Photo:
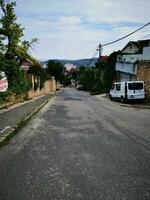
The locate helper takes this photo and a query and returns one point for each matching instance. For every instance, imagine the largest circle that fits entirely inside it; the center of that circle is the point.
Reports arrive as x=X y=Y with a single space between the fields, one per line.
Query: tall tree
x=55 y=69
x=109 y=74
x=11 y=33
x=87 y=78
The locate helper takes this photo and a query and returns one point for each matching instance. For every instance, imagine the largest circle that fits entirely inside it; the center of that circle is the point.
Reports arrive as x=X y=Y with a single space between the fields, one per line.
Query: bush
x=98 y=88
x=66 y=81
x=4 y=96
x=87 y=79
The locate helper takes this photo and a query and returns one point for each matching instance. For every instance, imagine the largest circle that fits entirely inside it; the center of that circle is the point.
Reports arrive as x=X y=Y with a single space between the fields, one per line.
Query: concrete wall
x=144 y=75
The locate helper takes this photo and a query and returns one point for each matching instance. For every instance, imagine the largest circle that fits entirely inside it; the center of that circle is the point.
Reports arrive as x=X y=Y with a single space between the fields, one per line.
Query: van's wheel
x=122 y=99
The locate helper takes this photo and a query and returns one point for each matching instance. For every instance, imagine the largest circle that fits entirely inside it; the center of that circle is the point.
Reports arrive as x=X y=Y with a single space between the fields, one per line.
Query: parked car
x=128 y=90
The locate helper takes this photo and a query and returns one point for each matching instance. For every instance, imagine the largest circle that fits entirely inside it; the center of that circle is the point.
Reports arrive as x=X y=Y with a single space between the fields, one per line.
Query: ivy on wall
x=17 y=83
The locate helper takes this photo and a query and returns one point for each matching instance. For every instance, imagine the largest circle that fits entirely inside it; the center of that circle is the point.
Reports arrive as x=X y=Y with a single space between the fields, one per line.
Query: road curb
x=134 y=106
x=144 y=106
x=7 y=136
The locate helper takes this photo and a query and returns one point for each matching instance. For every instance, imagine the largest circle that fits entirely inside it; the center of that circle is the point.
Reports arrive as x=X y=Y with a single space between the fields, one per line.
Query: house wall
x=130 y=49
x=144 y=75
x=132 y=58
x=122 y=76
x=126 y=67
x=146 y=53
x=26 y=63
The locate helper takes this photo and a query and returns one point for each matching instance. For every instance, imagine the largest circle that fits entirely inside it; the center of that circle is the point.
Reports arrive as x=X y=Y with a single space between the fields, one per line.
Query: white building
x=126 y=65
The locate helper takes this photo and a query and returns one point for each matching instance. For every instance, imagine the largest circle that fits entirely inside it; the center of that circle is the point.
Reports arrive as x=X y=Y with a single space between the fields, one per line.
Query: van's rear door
x=136 y=90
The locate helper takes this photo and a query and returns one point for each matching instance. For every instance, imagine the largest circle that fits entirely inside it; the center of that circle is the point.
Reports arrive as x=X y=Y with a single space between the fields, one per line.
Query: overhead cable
x=106 y=44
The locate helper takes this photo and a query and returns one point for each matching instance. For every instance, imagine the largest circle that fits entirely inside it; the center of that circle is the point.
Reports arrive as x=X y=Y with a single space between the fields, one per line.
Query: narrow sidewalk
x=10 y=117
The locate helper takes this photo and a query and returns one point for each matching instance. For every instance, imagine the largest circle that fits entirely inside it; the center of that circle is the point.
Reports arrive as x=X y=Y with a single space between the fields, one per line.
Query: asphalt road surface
x=79 y=148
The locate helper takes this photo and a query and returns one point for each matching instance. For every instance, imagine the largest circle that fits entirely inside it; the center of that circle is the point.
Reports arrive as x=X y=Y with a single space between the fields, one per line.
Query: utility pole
x=99 y=49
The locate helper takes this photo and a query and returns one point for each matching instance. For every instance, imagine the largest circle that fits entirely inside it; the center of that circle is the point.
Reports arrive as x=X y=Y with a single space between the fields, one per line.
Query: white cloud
x=118 y=10
x=68 y=29
x=69 y=21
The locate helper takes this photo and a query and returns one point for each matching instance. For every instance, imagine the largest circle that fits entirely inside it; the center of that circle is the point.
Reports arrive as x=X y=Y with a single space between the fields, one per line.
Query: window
x=135 y=86
x=118 y=86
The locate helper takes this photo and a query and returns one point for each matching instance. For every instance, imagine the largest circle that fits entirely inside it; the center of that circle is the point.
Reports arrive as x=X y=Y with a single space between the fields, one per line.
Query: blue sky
x=71 y=28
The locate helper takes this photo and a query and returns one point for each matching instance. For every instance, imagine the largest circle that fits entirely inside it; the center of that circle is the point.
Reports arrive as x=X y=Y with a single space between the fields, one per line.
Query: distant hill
x=78 y=63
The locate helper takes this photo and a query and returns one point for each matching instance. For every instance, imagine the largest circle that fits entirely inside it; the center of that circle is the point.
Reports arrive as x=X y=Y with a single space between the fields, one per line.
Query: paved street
x=79 y=147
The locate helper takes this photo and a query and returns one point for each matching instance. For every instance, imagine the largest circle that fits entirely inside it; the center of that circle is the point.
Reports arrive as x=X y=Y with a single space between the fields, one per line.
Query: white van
x=129 y=90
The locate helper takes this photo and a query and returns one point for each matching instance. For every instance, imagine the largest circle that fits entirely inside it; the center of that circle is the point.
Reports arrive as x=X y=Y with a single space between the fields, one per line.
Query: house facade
x=127 y=61
x=25 y=64
x=143 y=73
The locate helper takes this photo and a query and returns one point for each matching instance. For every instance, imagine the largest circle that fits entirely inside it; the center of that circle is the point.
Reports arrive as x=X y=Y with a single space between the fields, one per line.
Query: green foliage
x=55 y=69
x=12 y=48
x=66 y=81
x=87 y=79
x=99 y=78
x=17 y=82
x=11 y=33
x=4 y=96
x=98 y=87
x=109 y=74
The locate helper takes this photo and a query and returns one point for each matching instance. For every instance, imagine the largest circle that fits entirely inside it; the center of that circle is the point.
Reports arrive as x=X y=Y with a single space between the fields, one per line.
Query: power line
x=106 y=44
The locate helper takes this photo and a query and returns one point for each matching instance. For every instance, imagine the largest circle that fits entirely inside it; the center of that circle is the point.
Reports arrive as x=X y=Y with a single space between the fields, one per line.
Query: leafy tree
x=109 y=74
x=55 y=69
x=87 y=78
x=66 y=81
x=82 y=68
x=99 y=78
x=98 y=87
x=105 y=74
x=11 y=33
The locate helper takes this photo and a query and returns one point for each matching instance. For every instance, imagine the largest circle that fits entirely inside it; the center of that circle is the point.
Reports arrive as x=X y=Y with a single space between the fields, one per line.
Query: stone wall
x=11 y=100
x=143 y=74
